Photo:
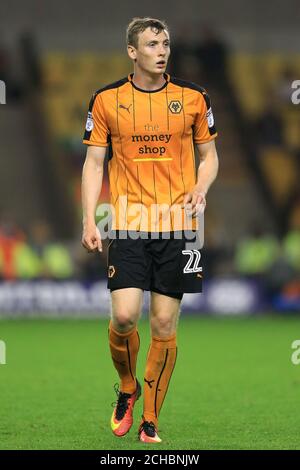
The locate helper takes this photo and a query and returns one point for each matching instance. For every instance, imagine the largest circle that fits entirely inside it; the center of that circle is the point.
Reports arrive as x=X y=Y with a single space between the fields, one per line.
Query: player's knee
x=124 y=320
x=163 y=325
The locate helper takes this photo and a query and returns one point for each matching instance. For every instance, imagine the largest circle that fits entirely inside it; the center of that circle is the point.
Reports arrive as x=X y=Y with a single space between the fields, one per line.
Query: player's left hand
x=194 y=202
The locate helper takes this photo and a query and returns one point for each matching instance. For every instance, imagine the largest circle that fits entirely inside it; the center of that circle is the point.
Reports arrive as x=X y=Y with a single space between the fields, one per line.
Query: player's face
x=153 y=51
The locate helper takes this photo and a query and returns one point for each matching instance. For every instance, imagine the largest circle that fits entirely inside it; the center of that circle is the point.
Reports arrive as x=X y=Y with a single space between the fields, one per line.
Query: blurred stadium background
x=53 y=56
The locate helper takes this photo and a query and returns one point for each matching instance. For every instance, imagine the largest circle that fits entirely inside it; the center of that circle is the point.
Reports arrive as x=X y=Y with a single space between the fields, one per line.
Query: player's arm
x=92 y=175
x=195 y=201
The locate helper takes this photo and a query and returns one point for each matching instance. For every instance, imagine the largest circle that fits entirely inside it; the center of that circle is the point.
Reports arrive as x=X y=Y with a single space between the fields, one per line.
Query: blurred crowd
x=274 y=262
x=37 y=254
x=261 y=256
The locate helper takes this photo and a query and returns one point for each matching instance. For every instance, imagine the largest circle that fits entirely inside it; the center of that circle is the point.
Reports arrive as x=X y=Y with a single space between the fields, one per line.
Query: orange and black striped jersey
x=151 y=135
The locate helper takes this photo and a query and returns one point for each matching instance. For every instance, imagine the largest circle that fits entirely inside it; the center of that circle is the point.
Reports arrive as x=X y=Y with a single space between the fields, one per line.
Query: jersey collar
x=166 y=77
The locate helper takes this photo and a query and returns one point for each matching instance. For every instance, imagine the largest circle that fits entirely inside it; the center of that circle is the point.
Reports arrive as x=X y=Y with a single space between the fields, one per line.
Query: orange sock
x=159 y=367
x=124 y=348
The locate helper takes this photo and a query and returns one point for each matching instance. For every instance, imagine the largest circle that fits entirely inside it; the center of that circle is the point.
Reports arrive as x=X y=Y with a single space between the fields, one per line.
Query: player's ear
x=131 y=52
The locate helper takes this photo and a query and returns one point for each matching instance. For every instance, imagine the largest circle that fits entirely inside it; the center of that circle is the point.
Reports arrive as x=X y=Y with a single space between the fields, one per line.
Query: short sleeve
x=204 y=126
x=96 y=128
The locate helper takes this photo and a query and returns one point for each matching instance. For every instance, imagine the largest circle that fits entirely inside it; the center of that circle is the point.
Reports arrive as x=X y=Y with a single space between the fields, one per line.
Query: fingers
x=187 y=198
x=187 y=203
x=92 y=243
x=98 y=238
x=200 y=208
x=196 y=199
x=89 y=244
x=196 y=205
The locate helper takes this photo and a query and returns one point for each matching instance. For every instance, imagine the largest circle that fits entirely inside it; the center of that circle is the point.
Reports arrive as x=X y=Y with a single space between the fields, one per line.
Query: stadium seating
x=280 y=170
x=69 y=82
x=263 y=85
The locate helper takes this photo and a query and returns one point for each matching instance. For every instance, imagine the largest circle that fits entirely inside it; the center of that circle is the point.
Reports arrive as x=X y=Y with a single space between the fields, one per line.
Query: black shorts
x=167 y=266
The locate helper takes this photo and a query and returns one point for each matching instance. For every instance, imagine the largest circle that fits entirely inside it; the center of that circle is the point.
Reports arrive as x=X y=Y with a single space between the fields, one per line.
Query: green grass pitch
x=234 y=385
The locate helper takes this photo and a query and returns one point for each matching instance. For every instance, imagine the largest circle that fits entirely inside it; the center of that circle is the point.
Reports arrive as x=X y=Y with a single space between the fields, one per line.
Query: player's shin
x=159 y=368
x=124 y=349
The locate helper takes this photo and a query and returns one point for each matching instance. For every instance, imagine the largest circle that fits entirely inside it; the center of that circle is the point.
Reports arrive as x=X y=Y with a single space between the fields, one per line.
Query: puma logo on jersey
x=121 y=106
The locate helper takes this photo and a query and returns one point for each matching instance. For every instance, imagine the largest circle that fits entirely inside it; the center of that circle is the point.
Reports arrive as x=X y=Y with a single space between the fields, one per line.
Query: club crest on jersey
x=175 y=106
x=89 y=122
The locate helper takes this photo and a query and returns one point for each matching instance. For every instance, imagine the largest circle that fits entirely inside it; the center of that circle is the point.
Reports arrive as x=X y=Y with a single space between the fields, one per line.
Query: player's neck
x=148 y=82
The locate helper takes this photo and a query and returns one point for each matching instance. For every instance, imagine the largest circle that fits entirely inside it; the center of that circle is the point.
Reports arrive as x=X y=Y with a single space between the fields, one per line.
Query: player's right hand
x=91 y=238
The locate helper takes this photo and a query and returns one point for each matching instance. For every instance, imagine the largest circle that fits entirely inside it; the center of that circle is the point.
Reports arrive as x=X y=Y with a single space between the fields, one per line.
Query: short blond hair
x=138 y=25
